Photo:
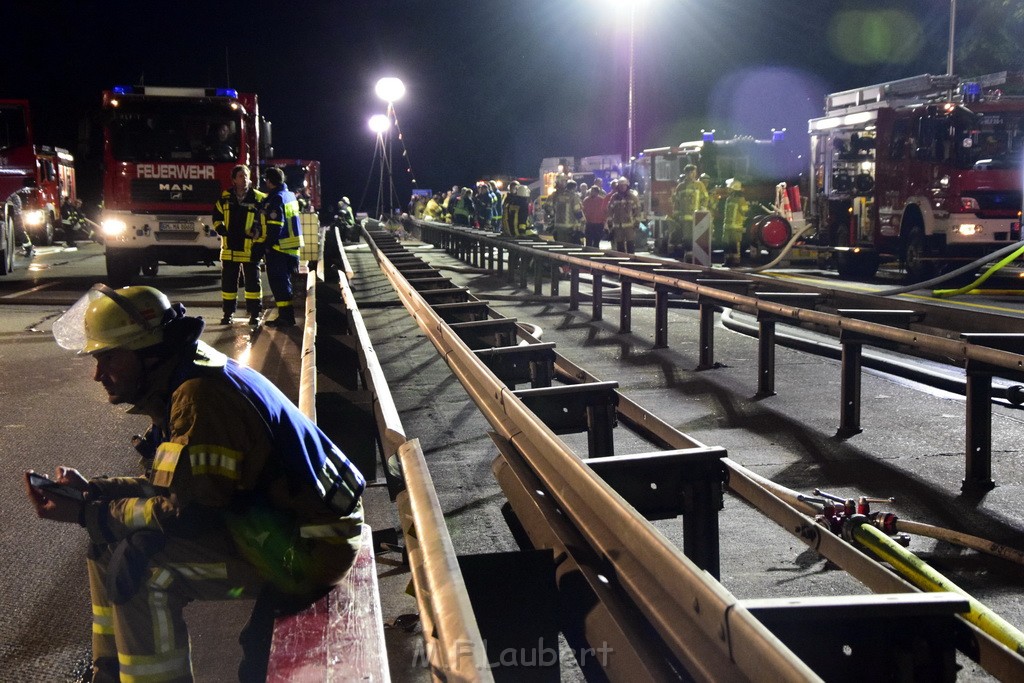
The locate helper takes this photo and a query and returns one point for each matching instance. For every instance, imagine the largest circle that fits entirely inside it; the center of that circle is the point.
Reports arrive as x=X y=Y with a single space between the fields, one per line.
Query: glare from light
x=35 y=218
x=390 y=89
x=114 y=227
x=379 y=123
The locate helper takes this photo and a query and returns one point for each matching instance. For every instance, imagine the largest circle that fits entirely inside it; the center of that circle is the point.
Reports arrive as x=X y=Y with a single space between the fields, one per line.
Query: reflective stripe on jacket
x=234 y=220
x=282 y=229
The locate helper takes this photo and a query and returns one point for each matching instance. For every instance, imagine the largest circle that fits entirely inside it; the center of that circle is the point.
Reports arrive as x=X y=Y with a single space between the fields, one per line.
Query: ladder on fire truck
x=915 y=89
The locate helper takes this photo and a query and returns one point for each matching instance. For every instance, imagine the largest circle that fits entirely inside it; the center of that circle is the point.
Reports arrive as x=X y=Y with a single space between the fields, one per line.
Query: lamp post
x=952 y=35
x=390 y=90
x=632 y=54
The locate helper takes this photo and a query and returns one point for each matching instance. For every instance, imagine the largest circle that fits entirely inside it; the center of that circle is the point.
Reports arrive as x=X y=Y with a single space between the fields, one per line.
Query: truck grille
x=168 y=191
x=997 y=203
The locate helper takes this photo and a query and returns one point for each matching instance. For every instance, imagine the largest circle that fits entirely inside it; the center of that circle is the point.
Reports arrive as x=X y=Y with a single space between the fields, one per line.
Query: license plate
x=177 y=226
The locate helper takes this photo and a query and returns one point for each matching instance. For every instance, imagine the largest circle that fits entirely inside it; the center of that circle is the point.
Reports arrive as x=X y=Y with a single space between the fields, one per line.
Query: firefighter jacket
x=432 y=212
x=623 y=209
x=237 y=222
x=232 y=447
x=735 y=212
x=70 y=216
x=282 y=230
x=564 y=209
x=515 y=215
x=689 y=197
x=463 y=211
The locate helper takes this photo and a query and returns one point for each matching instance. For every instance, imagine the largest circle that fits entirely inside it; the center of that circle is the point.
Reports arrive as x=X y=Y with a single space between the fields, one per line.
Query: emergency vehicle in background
x=167 y=156
x=760 y=164
x=925 y=169
x=301 y=175
x=42 y=175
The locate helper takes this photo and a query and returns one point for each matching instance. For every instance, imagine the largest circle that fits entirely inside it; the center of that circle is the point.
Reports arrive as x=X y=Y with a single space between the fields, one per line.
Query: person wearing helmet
x=515 y=212
x=623 y=216
x=464 y=209
x=734 y=217
x=565 y=213
x=243 y=496
x=689 y=197
x=345 y=221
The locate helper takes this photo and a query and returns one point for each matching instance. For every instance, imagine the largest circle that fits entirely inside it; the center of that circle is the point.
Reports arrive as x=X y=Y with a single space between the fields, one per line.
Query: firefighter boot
x=285 y=318
x=226 y=320
x=254 y=310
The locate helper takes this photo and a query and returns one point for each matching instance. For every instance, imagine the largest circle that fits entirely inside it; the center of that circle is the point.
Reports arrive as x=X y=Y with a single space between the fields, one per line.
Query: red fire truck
x=168 y=155
x=760 y=164
x=926 y=170
x=41 y=175
x=302 y=177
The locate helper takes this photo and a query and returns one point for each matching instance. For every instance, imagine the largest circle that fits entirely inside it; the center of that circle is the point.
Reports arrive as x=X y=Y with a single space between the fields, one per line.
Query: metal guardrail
x=697 y=619
x=983 y=355
x=454 y=646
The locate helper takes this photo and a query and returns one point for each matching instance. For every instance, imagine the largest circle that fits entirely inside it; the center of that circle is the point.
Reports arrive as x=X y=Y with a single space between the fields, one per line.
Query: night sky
x=491 y=87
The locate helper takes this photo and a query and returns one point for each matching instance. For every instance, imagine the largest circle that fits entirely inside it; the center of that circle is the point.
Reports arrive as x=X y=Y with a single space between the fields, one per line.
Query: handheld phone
x=51 y=488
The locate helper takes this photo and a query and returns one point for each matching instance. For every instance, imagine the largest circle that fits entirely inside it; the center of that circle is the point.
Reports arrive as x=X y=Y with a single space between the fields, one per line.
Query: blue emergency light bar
x=778 y=134
x=171 y=92
x=707 y=135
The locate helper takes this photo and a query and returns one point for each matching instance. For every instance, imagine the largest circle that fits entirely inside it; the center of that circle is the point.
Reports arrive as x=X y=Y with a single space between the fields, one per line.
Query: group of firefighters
x=578 y=214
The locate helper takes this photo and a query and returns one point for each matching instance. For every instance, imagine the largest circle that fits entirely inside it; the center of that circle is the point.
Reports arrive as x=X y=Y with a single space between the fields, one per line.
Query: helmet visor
x=69 y=329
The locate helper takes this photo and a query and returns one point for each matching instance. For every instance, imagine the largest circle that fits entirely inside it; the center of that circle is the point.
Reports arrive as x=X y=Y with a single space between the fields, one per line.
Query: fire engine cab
x=926 y=170
x=168 y=155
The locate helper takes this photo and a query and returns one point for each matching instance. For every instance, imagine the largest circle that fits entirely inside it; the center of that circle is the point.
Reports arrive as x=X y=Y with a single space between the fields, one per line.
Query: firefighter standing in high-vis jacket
x=236 y=218
x=244 y=496
x=282 y=240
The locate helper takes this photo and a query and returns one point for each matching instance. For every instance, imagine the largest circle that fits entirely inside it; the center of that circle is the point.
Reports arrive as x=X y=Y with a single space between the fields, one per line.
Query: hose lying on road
x=797 y=501
x=970 y=267
x=986 y=275
x=919 y=573
x=785 y=250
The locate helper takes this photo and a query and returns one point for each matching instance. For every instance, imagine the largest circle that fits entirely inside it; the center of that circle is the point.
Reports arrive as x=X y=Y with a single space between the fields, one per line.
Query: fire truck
x=760 y=163
x=168 y=155
x=924 y=170
x=302 y=177
x=43 y=176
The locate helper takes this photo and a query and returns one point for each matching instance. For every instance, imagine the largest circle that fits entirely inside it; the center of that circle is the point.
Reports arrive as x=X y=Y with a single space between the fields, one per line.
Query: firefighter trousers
x=280 y=268
x=250 y=273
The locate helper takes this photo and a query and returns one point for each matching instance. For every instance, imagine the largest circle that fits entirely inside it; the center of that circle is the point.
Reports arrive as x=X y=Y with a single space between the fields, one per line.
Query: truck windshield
x=993 y=140
x=173 y=130
x=13 y=131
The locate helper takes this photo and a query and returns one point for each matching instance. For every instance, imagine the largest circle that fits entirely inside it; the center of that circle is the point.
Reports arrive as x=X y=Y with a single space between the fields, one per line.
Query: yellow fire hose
x=986 y=275
x=926 y=578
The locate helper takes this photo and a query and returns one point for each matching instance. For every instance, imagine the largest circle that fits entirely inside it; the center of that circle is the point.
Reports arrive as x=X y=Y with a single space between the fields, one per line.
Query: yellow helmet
x=130 y=318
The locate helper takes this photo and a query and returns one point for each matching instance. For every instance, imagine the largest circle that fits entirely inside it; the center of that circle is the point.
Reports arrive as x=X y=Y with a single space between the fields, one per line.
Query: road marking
x=31 y=290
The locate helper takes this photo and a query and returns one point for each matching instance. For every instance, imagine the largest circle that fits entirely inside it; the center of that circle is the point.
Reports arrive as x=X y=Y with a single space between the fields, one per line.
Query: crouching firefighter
x=246 y=496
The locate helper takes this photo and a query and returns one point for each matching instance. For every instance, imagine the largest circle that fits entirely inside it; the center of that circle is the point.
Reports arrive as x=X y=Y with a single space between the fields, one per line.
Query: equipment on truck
x=925 y=169
x=303 y=178
x=168 y=155
x=760 y=165
x=42 y=176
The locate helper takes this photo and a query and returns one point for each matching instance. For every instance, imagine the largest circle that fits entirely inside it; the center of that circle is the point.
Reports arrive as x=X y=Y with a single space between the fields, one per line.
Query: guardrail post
x=574 y=289
x=766 y=335
x=625 y=305
x=538 y=276
x=849 y=387
x=556 y=276
x=661 y=316
x=978 y=447
x=597 y=299
x=706 y=305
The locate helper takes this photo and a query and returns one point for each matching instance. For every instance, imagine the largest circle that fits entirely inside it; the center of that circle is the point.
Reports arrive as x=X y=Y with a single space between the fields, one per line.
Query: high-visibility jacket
x=232 y=446
x=282 y=230
x=433 y=210
x=564 y=209
x=735 y=212
x=688 y=197
x=623 y=209
x=515 y=215
x=463 y=211
x=237 y=222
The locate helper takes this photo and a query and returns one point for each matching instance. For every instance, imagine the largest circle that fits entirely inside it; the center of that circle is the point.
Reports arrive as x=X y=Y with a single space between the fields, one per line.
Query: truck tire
x=7 y=247
x=915 y=253
x=43 y=235
x=121 y=268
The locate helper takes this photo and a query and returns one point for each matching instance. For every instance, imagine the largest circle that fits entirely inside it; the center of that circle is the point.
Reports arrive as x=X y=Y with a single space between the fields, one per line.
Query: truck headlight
x=34 y=218
x=113 y=227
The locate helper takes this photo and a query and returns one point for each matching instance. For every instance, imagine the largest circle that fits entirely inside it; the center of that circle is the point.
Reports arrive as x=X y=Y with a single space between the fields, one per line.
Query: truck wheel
x=121 y=268
x=915 y=253
x=43 y=235
x=8 y=248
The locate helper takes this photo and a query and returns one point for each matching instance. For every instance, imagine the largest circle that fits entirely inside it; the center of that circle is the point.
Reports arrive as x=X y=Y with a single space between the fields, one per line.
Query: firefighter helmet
x=622 y=180
x=736 y=185
x=522 y=191
x=130 y=318
x=688 y=169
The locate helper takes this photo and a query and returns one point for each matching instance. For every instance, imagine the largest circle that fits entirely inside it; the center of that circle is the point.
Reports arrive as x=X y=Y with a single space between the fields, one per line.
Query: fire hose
x=970 y=267
x=862 y=529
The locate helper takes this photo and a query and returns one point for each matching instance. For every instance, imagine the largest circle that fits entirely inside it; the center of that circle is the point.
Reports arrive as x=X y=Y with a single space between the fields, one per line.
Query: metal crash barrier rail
x=698 y=622
x=545 y=498
x=983 y=355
